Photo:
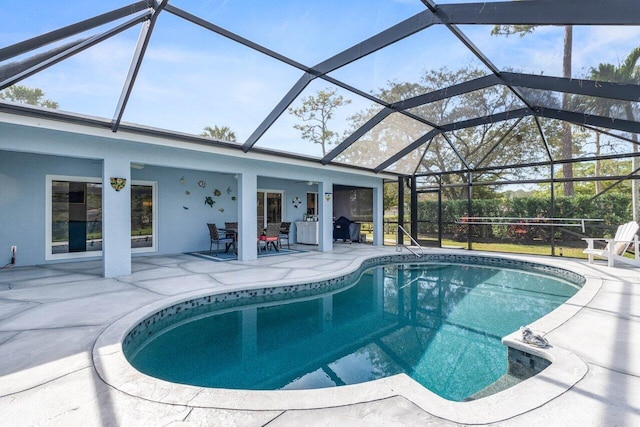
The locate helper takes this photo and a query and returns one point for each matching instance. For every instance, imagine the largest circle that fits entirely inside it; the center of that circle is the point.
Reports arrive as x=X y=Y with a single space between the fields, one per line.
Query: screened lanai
x=478 y=114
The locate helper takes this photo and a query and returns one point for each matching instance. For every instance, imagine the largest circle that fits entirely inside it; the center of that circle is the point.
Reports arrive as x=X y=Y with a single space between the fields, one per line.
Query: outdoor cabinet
x=307 y=232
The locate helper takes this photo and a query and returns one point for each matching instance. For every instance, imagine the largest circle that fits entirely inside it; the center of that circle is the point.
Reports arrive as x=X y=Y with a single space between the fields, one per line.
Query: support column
x=414 y=208
x=378 y=215
x=116 y=219
x=248 y=221
x=399 y=234
x=325 y=221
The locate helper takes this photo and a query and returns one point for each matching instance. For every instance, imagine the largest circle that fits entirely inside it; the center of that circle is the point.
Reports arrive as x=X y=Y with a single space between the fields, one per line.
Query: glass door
x=143 y=216
x=270 y=204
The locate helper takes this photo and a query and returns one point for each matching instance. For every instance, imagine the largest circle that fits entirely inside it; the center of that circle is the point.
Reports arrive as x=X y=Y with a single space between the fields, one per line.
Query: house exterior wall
x=29 y=152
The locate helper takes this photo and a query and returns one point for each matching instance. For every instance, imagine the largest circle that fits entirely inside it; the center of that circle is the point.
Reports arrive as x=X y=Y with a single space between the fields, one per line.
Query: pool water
x=441 y=324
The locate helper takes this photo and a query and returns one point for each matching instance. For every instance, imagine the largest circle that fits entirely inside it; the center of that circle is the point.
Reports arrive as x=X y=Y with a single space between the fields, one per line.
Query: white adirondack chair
x=616 y=247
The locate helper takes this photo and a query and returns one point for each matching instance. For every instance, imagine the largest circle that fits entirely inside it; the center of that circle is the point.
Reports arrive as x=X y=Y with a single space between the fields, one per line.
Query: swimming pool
x=439 y=323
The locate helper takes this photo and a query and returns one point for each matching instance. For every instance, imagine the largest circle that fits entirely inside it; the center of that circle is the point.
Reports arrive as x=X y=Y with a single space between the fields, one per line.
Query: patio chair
x=285 y=227
x=616 y=247
x=271 y=236
x=231 y=230
x=219 y=238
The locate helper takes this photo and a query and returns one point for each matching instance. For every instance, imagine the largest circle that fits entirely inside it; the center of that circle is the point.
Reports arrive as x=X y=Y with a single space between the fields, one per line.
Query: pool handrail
x=399 y=245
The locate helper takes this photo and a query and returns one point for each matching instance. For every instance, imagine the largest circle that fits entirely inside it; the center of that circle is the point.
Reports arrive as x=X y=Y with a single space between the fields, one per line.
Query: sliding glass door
x=74 y=217
x=270 y=204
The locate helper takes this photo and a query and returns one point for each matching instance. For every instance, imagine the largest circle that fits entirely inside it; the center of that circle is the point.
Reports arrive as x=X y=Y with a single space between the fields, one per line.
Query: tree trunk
x=634 y=164
x=598 y=165
x=567 y=143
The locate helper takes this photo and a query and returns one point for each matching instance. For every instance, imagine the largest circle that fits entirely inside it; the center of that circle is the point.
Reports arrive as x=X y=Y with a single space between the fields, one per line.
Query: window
x=74 y=217
x=270 y=206
x=312 y=205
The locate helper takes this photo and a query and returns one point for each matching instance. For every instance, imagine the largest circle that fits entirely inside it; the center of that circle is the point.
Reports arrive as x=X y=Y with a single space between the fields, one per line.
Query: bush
x=614 y=209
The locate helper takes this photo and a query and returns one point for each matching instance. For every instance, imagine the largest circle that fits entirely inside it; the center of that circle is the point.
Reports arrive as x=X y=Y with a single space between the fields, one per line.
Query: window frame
x=49 y=256
x=282 y=203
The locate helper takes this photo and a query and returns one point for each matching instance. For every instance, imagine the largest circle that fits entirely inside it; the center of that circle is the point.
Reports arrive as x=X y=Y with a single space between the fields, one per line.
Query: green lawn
x=516 y=248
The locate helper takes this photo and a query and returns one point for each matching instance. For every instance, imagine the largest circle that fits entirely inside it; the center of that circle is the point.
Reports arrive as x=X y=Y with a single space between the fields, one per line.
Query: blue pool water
x=441 y=324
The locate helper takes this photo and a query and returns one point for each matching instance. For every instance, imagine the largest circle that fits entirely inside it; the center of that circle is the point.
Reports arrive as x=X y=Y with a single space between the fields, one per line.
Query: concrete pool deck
x=51 y=317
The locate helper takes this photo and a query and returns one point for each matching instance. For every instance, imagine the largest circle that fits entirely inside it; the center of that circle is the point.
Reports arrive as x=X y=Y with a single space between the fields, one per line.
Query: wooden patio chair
x=616 y=247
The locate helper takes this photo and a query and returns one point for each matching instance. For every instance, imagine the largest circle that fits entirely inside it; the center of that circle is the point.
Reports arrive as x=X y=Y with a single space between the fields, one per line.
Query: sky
x=192 y=78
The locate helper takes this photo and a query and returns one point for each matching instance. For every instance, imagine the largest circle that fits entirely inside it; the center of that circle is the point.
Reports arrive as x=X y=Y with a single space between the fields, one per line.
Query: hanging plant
x=209 y=201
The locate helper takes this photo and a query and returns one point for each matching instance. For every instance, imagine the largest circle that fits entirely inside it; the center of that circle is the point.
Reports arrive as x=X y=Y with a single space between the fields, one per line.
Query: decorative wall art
x=217 y=192
x=209 y=201
x=296 y=202
x=202 y=184
x=118 y=183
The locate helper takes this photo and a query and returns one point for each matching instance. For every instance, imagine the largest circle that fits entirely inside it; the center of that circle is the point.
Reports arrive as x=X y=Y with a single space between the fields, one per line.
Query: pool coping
x=565 y=371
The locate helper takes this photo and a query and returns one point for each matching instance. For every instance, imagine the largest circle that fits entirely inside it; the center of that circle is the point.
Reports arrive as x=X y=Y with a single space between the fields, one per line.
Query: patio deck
x=51 y=316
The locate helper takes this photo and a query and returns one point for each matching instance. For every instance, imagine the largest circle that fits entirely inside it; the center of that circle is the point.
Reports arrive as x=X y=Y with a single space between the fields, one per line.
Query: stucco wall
x=28 y=154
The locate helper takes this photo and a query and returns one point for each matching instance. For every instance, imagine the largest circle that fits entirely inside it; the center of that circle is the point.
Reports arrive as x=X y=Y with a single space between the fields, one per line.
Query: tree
x=316 y=111
x=567 y=141
x=473 y=143
x=220 y=133
x=27 y=95
x=627 y=72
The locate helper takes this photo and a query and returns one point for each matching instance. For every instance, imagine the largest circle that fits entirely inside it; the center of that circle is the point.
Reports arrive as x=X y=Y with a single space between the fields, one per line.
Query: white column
x=248 y=221
x=325 y=220
x=116 y=219
x=378 y=216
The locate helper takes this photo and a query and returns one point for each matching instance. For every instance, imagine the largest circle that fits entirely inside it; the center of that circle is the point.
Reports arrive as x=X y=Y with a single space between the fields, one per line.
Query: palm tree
x=220 y=133
x=627 y=72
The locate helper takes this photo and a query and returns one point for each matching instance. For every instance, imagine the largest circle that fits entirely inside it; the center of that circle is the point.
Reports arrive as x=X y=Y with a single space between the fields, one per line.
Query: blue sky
x=192 y=78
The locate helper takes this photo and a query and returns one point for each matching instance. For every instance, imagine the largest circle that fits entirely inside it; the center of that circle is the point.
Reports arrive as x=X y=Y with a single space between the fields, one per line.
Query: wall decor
x=228 y=190
x=185 y=208
x=327 y=196
x=234 y=198
x=217 y=192
x=296 y=202
x=181 y=180
x=209 y=201
x=188 y=193
x=202 y=184
x=118 y=183
x=221 y=209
